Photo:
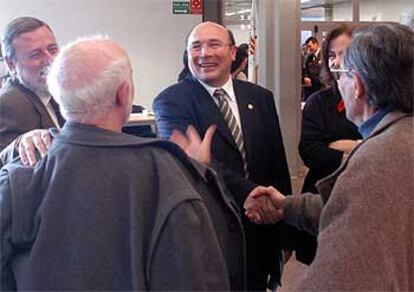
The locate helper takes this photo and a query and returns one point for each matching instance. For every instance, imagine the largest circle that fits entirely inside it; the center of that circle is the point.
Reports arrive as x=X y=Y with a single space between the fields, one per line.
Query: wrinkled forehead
x=208 y=32
x=38 y=37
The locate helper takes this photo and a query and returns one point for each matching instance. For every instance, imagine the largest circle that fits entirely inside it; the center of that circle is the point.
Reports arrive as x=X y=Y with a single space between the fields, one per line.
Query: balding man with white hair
x=107 y=211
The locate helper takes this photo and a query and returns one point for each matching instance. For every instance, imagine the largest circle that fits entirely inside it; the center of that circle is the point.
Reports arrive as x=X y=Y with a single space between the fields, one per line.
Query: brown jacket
x=366 y=229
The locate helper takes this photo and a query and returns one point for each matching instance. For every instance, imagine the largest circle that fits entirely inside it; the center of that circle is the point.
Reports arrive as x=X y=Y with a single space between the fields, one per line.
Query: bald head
x=211 y=51
x=85 y=60
x=86 y=77
x=211 y=26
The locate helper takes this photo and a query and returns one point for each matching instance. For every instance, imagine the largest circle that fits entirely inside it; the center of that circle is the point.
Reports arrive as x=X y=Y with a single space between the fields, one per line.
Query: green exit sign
x=181 y=7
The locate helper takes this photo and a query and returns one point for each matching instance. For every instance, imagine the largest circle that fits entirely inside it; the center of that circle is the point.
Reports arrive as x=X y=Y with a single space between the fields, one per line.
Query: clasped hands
x=264 y=205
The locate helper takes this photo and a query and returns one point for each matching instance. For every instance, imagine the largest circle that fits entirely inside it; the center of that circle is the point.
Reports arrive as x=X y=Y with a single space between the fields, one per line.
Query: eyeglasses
x=212 y=45
x=336 y=73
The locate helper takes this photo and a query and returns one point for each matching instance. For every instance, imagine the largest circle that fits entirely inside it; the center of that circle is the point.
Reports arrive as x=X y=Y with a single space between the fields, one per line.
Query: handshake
x=264 y=205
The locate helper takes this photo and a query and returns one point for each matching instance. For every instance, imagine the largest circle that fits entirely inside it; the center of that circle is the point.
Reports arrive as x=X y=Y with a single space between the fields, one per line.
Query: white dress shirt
x=46 y=100
x=231 y=98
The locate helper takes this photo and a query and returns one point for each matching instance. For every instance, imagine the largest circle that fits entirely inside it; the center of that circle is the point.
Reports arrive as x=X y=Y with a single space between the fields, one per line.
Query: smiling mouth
x=44 y=72
x=207 y=65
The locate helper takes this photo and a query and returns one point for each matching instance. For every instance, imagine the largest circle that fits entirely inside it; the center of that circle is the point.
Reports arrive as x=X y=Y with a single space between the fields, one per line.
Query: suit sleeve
x=313 y=145
x=169 y=115
x=13 y=122
x=188 y=255
x=362 y=243
x=7 y=278
x=303 y=211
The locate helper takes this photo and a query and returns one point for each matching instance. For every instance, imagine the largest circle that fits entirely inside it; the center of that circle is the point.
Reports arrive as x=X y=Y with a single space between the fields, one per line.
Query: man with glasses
x=364 y=213
x=106 y=211
x=29 y=47
x=247 y=148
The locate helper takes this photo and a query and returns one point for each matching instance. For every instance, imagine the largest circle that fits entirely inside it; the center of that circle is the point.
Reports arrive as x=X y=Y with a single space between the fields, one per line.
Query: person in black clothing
x=327 y=135
x=311 y=72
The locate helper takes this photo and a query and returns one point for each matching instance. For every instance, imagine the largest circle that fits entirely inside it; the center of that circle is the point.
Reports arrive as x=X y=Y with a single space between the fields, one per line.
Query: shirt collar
x=228 y=88
x=45 y=99
x=369 y=125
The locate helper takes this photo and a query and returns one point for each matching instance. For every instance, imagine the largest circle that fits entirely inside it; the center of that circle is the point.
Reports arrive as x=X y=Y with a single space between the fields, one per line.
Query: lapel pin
x=250 y=106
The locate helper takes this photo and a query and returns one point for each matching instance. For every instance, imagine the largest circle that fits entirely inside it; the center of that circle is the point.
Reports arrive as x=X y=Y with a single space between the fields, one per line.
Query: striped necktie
x=228 y=116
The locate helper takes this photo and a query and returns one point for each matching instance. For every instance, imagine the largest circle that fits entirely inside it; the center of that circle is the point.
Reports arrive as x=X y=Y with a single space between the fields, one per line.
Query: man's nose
x=336 y=63
x=48 y=57
x=205 y=50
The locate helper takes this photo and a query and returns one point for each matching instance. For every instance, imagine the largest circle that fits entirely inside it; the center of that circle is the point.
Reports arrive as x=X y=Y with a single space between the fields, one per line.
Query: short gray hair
x=15 y=28
x=383 y=56
x=80 y=100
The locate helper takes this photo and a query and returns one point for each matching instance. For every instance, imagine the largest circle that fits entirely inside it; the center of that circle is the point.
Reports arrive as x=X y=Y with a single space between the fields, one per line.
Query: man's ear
x=359 y=86
x=11 y=65
x=122 y=94
x=233 y=51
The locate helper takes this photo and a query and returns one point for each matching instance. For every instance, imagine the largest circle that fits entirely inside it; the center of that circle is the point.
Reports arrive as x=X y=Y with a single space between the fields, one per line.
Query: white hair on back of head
x=81 y=94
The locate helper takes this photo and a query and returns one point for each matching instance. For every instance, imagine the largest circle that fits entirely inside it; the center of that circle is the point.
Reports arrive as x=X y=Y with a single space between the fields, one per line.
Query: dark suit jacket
x=188 y=103
x=322 y=123
x=21 y=110
x=109 y=211
x=312 y=70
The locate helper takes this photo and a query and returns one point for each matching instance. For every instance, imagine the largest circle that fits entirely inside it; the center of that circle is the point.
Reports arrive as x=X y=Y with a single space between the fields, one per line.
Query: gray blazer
x=109 y=211
x=21 y=111
x=366 y=229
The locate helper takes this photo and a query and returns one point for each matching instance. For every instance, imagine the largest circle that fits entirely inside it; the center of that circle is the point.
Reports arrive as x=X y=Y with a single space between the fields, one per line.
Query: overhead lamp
x=239 y=12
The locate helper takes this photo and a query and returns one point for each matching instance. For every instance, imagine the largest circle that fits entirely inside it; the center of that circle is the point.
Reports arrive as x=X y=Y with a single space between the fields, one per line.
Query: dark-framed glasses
x=337 y=72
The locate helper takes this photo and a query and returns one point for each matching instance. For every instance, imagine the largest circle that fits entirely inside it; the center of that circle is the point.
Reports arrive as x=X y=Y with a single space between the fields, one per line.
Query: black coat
x=188 y=102
x=312 y=70
x=323 y=122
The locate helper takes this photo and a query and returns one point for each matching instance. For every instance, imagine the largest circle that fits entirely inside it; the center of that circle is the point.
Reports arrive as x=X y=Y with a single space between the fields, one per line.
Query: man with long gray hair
x=366 y=229
x=108 y=211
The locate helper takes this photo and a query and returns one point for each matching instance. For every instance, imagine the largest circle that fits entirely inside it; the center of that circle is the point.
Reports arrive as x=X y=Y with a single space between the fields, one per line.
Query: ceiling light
x=239 y=12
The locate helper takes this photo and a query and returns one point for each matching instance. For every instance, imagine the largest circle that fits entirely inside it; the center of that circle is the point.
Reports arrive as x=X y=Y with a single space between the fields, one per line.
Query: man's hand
x=30 y=142
x=192 y=144
x=307 y=81
x=264 y=205
x=344 y=145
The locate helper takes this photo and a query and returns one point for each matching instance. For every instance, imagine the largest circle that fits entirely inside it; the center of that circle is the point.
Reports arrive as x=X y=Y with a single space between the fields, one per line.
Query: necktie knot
x=219 y=94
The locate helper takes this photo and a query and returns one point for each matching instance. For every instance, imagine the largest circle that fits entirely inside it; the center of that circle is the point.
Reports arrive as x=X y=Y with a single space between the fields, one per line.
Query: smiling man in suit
x=247 y=148
x=29 y=47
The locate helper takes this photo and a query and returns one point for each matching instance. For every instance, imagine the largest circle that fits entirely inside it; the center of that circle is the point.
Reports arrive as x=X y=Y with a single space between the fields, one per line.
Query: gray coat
x=109 y=211
x=366 y=229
